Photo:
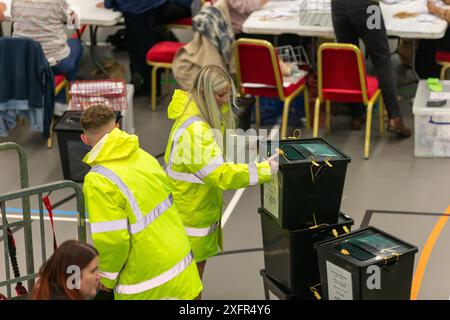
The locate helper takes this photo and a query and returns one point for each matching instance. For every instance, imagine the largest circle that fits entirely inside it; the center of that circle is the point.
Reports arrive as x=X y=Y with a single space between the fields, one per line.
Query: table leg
x=313 y=53
x=93 y=37
x=413 y=62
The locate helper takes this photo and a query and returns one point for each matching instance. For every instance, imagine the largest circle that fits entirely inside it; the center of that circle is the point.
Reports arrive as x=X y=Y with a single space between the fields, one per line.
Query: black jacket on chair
x=26 y=75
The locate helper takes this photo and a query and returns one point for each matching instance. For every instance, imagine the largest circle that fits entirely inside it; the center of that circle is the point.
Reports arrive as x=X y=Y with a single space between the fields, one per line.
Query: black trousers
x=146 y=29
x=426 y=65
x=350 y=24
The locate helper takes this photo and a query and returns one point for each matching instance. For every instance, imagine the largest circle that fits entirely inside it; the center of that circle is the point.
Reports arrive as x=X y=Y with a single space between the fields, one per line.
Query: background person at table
x=426 y=65
x=144 y=22
x=350 y=24
x=43 y=21
x=240 y=10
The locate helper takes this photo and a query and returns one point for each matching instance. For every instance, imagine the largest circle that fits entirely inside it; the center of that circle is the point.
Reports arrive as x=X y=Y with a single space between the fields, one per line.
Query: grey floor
x=393 y=179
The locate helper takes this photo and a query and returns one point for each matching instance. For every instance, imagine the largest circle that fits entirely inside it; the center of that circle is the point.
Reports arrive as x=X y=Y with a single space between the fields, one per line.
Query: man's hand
x=100 y=5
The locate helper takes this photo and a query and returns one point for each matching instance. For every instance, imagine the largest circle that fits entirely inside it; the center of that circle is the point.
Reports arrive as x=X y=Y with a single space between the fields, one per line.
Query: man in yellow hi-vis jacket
x=144 y=250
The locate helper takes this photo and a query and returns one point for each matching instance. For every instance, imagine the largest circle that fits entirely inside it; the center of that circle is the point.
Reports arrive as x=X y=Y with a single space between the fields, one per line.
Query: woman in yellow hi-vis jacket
x=195 y=162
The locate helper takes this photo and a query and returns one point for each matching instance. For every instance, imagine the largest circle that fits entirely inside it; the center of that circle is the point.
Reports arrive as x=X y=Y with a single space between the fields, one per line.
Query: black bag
x=118 y=39
x=243 y=112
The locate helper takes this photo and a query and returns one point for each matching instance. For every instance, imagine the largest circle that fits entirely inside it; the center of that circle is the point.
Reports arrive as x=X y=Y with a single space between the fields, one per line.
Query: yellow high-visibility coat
x=144 y=249
x=199 y=174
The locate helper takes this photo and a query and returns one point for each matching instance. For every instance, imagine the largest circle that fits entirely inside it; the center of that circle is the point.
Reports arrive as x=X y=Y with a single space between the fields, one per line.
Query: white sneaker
x=59 y=108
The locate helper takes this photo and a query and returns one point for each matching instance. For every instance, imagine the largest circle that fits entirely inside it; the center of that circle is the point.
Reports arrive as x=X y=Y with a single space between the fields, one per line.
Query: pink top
x=240 y=10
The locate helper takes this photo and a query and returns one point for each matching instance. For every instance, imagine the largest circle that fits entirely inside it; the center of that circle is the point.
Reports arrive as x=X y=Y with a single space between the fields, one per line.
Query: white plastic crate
x=432 y=125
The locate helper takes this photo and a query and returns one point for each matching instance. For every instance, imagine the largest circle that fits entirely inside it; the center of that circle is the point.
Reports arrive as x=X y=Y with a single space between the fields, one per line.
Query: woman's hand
x=434 y=9
x=100 y=5
x=274 y=163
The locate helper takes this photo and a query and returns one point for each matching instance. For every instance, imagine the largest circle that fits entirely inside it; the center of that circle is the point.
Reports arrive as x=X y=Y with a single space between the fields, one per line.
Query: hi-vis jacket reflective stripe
x=144 y=250
x=199 y=174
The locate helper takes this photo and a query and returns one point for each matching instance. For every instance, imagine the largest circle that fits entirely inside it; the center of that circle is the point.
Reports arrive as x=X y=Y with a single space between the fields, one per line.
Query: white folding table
x=409 y=28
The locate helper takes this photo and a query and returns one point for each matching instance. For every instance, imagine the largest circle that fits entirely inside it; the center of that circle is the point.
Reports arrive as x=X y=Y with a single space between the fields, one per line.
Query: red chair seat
x=164 y=51
x=341 y=95
x=186 y=21
x=59 y=78
x=442 y=56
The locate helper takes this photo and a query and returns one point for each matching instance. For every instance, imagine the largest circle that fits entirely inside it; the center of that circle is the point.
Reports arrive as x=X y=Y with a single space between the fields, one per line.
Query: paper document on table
x=287 y=11
x=396 y=1
x=439 y=95
x=426 y=17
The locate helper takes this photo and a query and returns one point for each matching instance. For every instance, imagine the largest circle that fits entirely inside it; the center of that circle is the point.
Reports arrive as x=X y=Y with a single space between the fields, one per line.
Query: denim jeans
x=69 y=66
x=350 y=24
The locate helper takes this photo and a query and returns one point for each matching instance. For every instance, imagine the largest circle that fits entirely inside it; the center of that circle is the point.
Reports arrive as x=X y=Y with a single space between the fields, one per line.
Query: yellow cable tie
x=281 y=152
x=318 y=170
x=345 y=252
x=335 y=233
x=317 y=295
x=328 y=163
x=297 y=134
x=346 y=229
x=322 y=225
x=315 y=163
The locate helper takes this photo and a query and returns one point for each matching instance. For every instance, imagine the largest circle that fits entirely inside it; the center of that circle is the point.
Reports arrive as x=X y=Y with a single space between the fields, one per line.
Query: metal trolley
x=24 y=194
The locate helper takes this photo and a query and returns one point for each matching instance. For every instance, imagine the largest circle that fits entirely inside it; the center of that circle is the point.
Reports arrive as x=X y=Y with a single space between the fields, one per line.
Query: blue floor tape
x=35 y=211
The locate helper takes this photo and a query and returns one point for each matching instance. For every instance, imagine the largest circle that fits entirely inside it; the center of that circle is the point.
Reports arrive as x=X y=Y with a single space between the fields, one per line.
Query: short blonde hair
x=96 y=117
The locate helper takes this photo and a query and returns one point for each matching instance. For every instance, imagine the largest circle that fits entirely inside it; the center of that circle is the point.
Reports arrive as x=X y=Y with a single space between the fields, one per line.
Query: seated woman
x=426 y=65
x=71 y=273
x=43 y=21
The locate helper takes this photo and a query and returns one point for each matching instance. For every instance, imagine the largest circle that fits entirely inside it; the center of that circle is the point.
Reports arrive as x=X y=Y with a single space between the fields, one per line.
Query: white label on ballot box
x=339 y=283
x=271 y=196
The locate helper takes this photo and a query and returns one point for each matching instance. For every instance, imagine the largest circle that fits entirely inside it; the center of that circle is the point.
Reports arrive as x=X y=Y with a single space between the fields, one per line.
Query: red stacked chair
x=342 y=77
x=159 y=56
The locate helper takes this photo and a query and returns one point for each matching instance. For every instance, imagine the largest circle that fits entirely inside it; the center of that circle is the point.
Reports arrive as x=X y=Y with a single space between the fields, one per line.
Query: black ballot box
x=308 y=188
x=289 y=255
x=367 y=264
x=71 y=149
x=275 y=289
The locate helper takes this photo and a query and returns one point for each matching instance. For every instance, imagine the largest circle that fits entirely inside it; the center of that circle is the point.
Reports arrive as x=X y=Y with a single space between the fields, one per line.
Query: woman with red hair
x=71 y=273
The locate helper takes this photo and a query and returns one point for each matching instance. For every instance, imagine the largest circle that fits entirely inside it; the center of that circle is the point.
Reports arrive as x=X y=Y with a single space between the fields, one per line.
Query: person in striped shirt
x=43 y=21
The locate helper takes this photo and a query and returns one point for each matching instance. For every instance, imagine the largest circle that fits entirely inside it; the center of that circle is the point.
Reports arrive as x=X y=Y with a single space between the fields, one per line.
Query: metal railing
x=24 y=194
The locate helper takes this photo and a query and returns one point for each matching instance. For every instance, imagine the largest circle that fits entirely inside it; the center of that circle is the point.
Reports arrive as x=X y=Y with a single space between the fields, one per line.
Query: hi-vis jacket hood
x=199 y=174
x=144 y=251
x=177 y=106
x=116 y=145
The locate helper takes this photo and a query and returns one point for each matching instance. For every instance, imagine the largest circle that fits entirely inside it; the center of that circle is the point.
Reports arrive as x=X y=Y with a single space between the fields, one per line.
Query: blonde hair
x=210 y=80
